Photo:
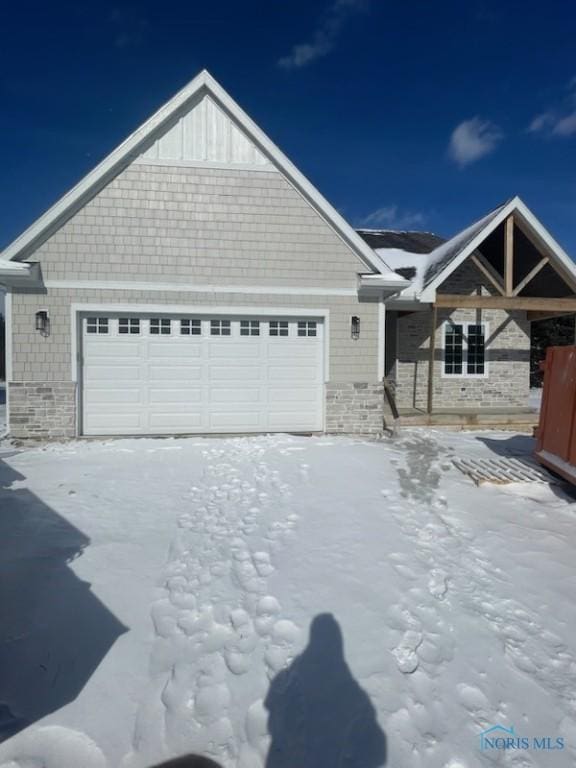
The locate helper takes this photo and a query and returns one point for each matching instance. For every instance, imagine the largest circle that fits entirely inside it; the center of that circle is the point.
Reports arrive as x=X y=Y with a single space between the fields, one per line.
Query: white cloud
x=541 y=122
x=391 y=217
x=566 y=126
x=473 y=139
x=326 y=35
x=558 y=121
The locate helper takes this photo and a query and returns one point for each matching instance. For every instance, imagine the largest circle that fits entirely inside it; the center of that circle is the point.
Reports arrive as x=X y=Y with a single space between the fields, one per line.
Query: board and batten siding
x=206 y=134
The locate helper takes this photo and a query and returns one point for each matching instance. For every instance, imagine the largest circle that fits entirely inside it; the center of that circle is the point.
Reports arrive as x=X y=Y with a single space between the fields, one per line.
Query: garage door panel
x=176 y=350
x=101 y=372
x=171 y=373
x=234 y=396
x=112 y=349
x=113 y=395
x=111 y=420
x=178 y=420
x=170 y=384
x=231 y=350
x=222 y=421
x=171 y=395
x=237 y=373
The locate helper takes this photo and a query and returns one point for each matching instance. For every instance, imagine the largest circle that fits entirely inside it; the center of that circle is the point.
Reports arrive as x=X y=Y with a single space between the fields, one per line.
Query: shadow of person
x=319 y=716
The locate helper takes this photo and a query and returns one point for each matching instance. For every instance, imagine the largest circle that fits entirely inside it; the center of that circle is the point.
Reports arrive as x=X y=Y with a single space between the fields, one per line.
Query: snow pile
x=292 y=602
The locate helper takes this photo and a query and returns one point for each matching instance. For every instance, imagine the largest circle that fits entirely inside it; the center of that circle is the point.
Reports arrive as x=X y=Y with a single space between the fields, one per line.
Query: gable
x=512 y=249
x=205 y=134
x=246 y=150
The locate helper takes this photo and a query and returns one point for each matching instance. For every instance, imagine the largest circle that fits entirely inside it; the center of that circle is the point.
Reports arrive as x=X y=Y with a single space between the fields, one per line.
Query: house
x=196 y=282
x=458 y=336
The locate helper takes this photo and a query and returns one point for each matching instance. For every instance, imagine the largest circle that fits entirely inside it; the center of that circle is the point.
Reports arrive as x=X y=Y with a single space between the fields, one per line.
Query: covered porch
x=458 y=355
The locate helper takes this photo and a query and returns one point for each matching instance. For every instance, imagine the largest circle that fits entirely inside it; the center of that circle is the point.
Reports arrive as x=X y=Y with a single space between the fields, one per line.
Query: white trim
x=515 y=206
x=429 y=293
x=381 y=338
x=465 y=375
x=130 y=285
x=8 y=340
x=556 y=250
x=183 y=309
x=126 y=152
x=206 y=164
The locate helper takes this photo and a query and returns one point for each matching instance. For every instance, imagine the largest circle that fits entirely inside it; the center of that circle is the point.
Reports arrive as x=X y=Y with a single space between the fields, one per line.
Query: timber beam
x=530 y=304
x=535 y=316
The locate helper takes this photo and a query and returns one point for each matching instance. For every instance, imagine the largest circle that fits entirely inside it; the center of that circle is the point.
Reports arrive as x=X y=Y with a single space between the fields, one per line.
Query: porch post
x=431 y=358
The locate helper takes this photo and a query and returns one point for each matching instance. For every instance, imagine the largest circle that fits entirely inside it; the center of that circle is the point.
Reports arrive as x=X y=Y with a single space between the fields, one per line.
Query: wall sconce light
x=355 y=327
x=43 y=322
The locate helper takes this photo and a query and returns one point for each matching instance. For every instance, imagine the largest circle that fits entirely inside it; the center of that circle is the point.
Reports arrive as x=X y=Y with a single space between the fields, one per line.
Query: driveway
x=282 y=601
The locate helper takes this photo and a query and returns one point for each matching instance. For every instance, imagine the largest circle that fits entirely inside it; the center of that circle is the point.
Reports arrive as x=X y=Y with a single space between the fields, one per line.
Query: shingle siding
x=213 y=225
x=507 y=383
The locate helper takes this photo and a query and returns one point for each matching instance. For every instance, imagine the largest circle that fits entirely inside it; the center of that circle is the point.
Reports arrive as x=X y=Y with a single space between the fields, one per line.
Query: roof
x=129 y=149
x=415 y=242
x=445 y=253
x=427 y=259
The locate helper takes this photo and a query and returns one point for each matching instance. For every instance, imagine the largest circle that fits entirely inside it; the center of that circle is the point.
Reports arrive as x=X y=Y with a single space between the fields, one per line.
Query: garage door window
x=97 y=325
x=160 y=326
x=278 y=328
x=220 y=327
x=129 y=325
x=190 y=327
x=249 y=328
x=306 y=328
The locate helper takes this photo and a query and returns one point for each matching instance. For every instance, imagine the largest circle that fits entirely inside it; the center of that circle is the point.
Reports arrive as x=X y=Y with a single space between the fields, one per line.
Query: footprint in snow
x=405 y=654
x=438 y=584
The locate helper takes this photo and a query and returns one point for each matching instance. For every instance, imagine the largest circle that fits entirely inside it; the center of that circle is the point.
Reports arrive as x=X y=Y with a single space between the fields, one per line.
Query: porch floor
x=471 y=418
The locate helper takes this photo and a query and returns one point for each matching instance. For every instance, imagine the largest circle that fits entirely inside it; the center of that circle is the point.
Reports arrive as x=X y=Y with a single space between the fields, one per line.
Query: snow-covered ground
x=282 y=602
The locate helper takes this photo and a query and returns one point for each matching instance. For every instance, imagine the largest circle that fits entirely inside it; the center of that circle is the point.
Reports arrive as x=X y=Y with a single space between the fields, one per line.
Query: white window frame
x=465 y=325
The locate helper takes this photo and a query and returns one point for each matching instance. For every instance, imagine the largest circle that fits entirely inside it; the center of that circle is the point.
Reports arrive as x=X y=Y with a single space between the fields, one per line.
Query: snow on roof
x=441 y=256
x=421 y=256
x=13 y=266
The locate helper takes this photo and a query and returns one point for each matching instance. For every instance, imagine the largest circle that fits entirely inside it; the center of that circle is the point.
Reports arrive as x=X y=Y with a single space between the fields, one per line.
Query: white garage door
x=184 y=374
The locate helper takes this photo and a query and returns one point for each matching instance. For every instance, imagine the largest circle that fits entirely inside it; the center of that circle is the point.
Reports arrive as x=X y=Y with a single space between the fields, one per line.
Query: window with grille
x=307 y=328
x=96 y=325
x=190 y=327
x=475 y=358
x=465 y=349
x=249 y=328
x=220 y=327
x=129 y=325
x=278 y=328
x=160 y=326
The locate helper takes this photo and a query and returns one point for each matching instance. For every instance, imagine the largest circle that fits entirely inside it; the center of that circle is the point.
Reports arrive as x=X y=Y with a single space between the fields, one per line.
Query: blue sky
x=417 y=115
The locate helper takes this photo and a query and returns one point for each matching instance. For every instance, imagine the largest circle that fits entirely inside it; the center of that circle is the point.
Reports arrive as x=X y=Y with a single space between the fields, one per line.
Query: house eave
x=380 y=285
x=20 y=275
